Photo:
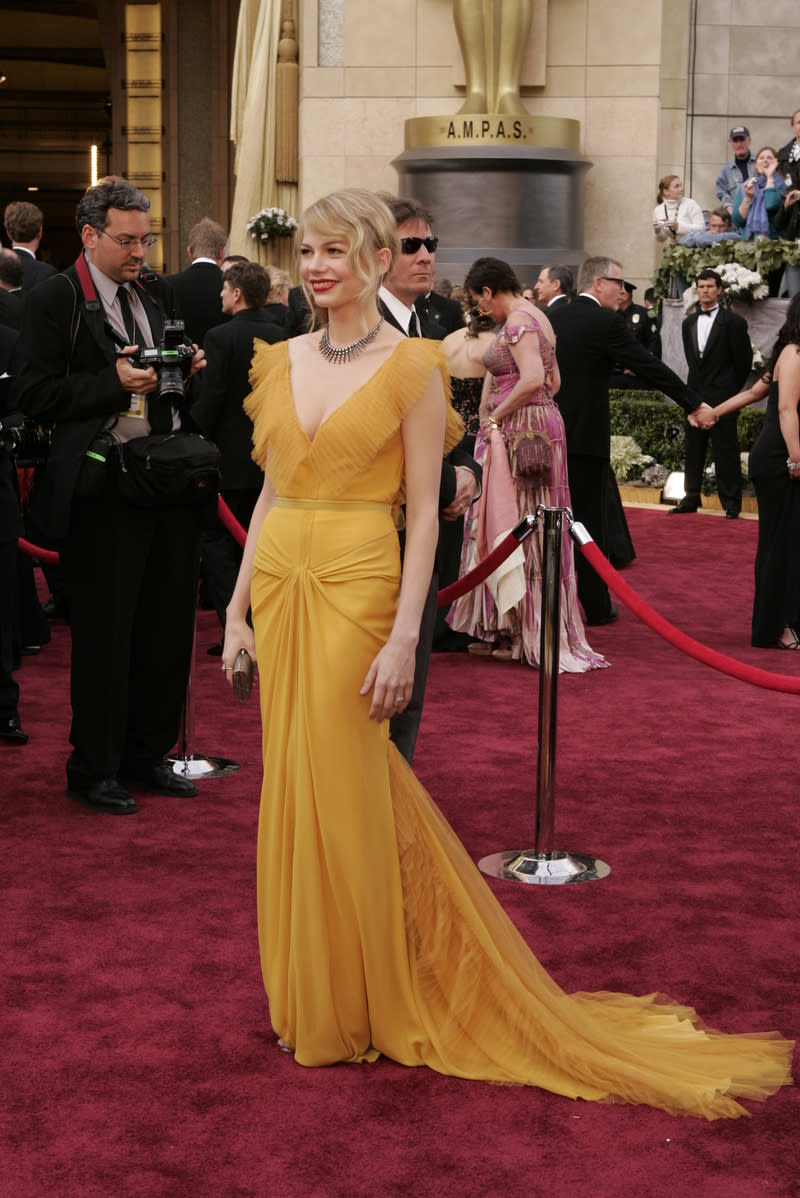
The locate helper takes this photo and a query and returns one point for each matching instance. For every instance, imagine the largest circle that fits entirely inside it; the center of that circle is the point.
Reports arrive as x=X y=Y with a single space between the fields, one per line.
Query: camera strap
x=90 y=301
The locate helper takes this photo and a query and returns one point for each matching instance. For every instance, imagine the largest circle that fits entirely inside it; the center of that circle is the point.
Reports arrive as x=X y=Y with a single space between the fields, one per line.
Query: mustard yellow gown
x=377 y=933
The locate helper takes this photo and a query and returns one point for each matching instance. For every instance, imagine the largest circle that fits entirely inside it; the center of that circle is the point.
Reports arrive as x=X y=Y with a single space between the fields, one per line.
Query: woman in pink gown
x=518 y=404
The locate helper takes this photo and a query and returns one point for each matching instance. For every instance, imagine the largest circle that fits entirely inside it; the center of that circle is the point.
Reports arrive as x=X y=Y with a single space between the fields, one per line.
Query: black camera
x=172 y=359
x=26 y=440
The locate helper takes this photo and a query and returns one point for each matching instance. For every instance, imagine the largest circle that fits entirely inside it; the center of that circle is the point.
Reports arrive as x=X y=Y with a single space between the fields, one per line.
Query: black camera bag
x=169 y=470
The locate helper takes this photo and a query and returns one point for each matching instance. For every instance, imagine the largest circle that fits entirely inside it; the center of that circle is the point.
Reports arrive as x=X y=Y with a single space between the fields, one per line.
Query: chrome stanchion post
x=549 y=650
x=543 y=865
x=191 y=765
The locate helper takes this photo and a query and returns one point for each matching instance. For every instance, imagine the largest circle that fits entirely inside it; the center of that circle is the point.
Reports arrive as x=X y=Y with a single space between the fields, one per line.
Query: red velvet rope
x=481 y=571
x=687 y=644
x=49 y=556
x=233 y=526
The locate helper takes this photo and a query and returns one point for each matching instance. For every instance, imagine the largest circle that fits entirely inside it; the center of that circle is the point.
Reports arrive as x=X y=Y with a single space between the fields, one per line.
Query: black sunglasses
x=411 y=245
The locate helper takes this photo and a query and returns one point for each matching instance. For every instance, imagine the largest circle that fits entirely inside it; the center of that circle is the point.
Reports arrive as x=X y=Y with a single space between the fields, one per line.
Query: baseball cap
x=738 y=131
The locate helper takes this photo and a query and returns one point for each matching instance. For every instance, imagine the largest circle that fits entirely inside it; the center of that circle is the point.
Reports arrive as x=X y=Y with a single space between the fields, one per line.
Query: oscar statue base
x=510 y=188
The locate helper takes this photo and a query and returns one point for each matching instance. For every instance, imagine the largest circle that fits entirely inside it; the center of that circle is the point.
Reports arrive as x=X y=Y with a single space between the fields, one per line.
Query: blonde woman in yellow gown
x=377 y=933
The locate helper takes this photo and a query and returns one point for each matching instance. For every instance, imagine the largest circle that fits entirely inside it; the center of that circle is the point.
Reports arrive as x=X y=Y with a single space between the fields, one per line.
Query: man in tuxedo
x=410 y=277
x=24 y=227
x=131 y=571
x=439 y=315
x=591 y=336
x=222 y=388
x=717 y=346
x=11 y=301
x=555 y=285
x=196 y=290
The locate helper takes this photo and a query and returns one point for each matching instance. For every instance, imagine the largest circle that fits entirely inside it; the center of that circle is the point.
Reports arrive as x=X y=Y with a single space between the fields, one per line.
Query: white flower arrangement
x=626 y=456
x=759 y=361
x=271 y=222
x=741 y=283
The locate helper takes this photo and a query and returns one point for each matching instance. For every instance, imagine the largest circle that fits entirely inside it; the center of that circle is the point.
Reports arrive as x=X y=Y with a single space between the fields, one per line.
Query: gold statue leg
x=468 y=19
x=515 y=25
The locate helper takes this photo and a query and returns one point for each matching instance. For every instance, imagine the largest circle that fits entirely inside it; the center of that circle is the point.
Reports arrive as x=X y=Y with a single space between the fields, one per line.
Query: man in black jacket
x=591 y=337
x=717 y=346
x=10 y=529
x=410 y=277
x=195 y=291
x=131 y=570
x=11 y=294
x=218 y=411
x=439 y=315
x=24 y=226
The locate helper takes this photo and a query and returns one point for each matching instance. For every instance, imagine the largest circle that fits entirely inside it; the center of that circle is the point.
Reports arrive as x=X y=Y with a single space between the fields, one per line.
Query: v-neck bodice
x=357 y=451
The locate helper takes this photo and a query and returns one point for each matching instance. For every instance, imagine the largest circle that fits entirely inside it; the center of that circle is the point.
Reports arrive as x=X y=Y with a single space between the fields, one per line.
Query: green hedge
x=657 y=426
x=760 y=256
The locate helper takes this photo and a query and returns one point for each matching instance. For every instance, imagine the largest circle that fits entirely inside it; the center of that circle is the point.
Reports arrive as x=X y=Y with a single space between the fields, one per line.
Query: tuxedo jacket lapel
x=390 y=319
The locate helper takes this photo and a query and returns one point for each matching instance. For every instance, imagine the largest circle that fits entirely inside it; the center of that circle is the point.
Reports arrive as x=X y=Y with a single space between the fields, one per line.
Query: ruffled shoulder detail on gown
x=516 y=326
x=351 y=437
x=269 y=380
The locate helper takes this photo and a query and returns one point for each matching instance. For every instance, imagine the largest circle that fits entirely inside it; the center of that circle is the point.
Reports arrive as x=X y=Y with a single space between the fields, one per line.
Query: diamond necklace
x=345 y=353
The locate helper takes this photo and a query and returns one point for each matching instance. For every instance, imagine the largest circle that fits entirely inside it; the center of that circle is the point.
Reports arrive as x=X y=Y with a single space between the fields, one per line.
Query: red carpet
x=137 y=1058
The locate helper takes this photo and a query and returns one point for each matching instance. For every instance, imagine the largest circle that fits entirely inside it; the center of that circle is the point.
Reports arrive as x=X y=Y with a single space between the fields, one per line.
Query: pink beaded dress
x=477 y=612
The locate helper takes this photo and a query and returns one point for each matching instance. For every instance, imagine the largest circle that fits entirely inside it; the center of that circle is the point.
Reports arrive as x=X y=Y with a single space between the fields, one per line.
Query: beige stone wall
x=746 y=73
x=620 y=69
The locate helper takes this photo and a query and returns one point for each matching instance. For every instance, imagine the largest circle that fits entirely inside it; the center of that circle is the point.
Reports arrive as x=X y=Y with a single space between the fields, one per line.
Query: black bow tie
x=710 y=311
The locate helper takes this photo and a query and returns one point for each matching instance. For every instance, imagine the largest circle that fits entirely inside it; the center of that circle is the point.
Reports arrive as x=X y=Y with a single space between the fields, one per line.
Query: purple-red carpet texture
x=137 y=1056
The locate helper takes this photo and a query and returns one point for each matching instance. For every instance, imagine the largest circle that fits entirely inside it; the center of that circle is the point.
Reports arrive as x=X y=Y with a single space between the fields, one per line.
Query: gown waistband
x=336 y=505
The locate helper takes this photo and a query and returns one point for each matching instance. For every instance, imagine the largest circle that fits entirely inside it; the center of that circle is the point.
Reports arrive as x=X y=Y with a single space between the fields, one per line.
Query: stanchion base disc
x=543 y=869
x=197 y=768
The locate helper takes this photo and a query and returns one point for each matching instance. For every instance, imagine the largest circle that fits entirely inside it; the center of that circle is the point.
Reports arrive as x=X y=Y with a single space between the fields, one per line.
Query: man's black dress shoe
x=613 y=614
x=106 y=794
x=159 y=776
x=56 y=609
x=11 y=731
x=731 y=515
x=682 y=508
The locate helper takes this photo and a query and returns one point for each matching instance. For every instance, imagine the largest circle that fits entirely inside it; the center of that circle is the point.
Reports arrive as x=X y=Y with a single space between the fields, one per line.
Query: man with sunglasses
x=131 y=571
x=412 y=276
x=736 y=172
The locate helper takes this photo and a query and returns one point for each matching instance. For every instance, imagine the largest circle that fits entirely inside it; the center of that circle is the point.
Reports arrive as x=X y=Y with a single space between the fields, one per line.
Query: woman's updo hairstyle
x=493 y=273
x=360 y=219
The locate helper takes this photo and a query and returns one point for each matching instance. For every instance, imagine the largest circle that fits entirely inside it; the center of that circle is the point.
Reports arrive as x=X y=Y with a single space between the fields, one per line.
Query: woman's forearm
x=753 y=394
x=422 y=533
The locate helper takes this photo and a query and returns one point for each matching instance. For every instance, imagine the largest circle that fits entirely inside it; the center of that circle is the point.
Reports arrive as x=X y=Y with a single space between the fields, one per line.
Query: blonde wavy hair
x=365 y=223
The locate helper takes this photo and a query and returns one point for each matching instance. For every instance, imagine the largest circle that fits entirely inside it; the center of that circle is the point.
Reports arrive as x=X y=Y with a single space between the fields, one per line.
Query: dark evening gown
x=777 y=595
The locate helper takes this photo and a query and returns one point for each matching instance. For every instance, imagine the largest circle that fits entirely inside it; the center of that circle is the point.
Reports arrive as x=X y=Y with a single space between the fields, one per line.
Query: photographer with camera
x=131 y=565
